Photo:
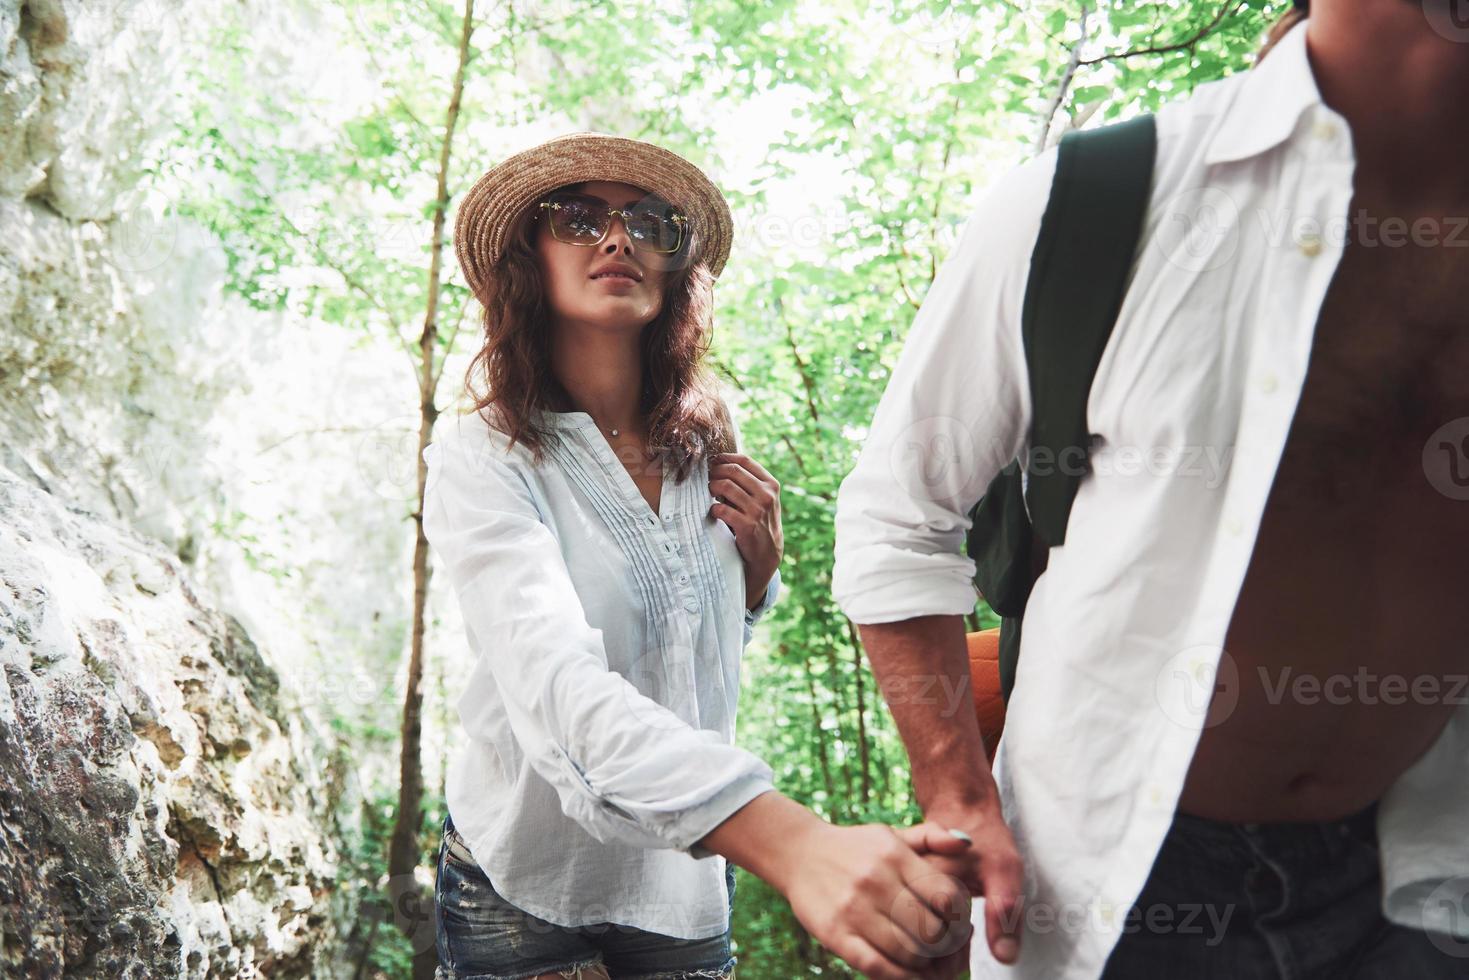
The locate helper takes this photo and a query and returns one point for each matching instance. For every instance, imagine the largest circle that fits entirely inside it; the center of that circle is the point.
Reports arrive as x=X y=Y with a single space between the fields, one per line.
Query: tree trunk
x=404 y=848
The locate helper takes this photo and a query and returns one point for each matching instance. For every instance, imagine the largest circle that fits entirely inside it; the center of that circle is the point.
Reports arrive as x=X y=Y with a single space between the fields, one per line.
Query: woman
x=612 y=550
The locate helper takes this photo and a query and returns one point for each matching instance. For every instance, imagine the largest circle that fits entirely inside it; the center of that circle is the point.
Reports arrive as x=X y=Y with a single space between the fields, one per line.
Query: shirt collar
x=1272 y=97
x=563 y=420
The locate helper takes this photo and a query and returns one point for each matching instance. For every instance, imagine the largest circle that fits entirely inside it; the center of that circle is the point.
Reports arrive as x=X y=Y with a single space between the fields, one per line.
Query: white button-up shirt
x=598 y=712
x=1193 y=398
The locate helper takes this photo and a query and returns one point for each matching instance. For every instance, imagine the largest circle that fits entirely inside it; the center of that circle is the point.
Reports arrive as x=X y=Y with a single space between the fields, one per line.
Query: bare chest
x=1389 y=365
x=1358 y=487
x=1360 y=565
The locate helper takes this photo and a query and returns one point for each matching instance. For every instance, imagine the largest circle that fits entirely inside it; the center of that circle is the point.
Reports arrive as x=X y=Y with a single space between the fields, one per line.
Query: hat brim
x=488 y=212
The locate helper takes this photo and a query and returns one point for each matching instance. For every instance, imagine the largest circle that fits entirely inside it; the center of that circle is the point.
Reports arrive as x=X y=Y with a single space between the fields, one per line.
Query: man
x=1238 y=743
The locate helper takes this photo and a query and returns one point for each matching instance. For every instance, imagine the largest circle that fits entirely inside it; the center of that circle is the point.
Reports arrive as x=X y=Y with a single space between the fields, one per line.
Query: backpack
x=1079 y=271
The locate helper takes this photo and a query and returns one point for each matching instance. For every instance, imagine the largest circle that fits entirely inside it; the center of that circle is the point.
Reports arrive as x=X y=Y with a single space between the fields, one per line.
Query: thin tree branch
x=1073 y=62
x=806 y=380
x=1230 y=7
x=734 y=379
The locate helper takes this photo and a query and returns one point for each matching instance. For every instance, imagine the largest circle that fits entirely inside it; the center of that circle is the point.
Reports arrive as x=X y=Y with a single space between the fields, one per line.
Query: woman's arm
x=863 y=892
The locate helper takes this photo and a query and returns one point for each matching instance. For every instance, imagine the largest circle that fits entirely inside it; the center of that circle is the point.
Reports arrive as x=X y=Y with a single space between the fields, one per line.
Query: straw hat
x=489 y=210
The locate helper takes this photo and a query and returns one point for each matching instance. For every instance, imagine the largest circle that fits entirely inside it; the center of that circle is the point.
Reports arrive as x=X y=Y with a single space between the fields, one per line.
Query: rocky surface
x=167 y=808
x=161 y=813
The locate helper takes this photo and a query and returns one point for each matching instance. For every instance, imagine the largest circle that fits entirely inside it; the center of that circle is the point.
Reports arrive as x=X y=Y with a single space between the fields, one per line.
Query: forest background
x=313 y=161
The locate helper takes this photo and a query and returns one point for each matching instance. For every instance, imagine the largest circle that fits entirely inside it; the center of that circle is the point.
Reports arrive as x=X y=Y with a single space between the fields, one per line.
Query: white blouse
x=598 y=716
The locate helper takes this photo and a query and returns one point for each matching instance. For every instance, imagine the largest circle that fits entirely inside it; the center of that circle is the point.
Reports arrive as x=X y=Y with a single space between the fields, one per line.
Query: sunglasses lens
x=580 y=219
x=654 y=228
x=577 y=219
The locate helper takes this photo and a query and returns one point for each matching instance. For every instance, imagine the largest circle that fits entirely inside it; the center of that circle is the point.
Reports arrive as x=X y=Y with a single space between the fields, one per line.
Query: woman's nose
x=617 y=240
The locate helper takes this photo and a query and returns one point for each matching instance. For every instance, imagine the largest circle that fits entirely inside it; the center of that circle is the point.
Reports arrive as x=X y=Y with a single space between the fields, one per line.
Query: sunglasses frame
x=547 y=205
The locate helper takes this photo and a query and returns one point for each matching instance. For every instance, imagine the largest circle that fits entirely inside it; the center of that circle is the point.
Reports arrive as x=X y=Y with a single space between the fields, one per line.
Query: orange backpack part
x=984 y=680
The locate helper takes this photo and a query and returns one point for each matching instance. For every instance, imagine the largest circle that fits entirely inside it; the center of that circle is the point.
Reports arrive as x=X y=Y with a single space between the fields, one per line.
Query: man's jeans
x=1274 y=901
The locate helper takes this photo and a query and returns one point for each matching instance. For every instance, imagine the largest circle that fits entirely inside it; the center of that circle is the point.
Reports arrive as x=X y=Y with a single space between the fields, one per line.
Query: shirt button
x=1234 y=526
x=1310 y=245
x=1325 y=130
x=667 y=518
x=691 y=604
x=681 y=578
x=1268 y=383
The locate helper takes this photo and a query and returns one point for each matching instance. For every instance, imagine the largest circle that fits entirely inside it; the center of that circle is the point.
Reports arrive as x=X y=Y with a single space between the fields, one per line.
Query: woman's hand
x=862 y=892
x=749 y=502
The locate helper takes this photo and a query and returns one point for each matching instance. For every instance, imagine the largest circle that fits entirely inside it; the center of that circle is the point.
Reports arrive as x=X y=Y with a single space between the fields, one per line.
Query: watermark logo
x=1446 y=459
x=412 y=911
x=1446 y=917
x=930 y=23
x=939 y=932
x=387 y=457
x=1199 y=229
x=660 y=694
x=1207 y=921
x=932 y=458
x=1448 y=18
x=142 y=237
x=1198 y=684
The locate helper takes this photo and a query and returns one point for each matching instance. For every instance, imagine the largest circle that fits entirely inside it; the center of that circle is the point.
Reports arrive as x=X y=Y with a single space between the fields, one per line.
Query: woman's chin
x=619 y=316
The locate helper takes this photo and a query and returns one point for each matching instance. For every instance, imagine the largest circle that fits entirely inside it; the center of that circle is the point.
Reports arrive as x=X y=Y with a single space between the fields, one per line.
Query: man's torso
x=1361 y=563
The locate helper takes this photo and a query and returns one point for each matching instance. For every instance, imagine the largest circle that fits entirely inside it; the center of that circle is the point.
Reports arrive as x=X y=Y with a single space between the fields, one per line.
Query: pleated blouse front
x=598 y=713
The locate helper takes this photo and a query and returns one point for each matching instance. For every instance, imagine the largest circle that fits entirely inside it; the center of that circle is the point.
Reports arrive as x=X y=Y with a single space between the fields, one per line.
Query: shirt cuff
x=885 y=583
x=722 y=807
x=752 y=616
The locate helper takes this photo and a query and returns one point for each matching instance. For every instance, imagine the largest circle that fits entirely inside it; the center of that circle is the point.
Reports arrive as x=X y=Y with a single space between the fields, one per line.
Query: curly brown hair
x=511 y=375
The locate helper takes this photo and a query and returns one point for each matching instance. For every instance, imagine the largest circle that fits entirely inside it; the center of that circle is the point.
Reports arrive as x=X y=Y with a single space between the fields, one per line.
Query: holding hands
x=863 y=892
x=893 y=903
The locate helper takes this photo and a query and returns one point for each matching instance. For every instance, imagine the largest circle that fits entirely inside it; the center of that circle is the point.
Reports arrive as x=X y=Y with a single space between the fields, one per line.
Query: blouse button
x=691 y=604
x=681 y=578
x=667 y=518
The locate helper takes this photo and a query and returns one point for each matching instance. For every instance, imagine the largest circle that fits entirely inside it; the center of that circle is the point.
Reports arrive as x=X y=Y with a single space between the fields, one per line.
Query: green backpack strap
x=1079 y=272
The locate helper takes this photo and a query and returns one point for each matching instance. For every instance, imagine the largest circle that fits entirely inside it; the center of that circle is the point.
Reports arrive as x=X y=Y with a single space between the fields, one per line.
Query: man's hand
x=862 y=892
x=991 y=868
x=866 y=896
x=951 y=774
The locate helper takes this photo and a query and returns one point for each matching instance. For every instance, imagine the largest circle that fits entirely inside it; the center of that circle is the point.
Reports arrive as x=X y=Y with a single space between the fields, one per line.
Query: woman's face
x=615 y=284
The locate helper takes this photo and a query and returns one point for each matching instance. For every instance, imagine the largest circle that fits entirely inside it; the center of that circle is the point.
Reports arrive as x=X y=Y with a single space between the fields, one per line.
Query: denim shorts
x=1274 y=901
x=481 y=936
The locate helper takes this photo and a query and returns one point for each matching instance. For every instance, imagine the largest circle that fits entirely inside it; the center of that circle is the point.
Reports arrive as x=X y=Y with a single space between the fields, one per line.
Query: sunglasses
x=583 y=219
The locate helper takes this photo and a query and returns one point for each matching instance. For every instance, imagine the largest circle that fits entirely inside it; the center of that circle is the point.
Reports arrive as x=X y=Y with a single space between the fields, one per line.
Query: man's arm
x=945 y=749
x=956 y=410
x=951 y=775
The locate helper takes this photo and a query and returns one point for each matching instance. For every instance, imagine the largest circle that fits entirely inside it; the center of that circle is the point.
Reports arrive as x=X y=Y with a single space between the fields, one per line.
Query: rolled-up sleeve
x=752 y=616
x=623 y=766
x=955 y=411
